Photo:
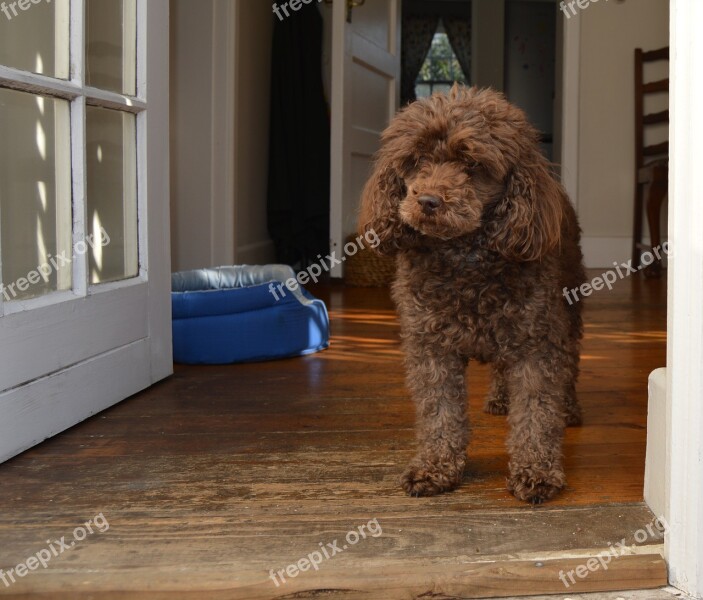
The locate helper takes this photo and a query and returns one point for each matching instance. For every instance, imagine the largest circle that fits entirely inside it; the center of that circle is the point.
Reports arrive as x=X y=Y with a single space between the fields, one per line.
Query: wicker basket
x=368 y=269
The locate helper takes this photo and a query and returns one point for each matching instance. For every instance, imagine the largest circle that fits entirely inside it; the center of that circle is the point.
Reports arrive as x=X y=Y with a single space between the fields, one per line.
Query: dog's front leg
x=537 y=418
x=438 y=386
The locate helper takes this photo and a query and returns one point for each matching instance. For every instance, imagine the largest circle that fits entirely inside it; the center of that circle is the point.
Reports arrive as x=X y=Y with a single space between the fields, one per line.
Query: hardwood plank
x=488 y=579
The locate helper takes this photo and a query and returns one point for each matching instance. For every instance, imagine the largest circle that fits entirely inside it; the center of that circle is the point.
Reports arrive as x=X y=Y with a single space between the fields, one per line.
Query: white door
x=84 y=246
x=365 y=96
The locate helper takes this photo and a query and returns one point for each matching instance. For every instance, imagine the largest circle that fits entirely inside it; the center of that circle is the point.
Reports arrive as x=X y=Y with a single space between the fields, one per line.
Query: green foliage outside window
x=440 y=69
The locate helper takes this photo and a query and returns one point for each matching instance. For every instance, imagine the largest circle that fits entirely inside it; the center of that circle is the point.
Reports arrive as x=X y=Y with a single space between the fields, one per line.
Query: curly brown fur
x=485 y=240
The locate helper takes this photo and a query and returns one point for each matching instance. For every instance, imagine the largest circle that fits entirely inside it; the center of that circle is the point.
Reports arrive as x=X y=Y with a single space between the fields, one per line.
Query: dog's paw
x=535 y=485
x=427 y=477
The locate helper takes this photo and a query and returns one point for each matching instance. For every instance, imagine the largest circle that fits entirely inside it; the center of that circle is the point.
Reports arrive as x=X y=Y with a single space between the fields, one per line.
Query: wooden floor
x=216 y=476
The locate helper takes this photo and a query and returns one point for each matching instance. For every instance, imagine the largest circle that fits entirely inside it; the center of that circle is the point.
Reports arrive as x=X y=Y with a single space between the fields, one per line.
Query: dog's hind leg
x=498 y=399
x=574 y=417
x=438 y=387
x=537 y=418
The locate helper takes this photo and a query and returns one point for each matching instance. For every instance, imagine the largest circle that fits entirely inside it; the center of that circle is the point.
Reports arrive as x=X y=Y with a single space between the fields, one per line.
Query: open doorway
x=226 y=481
x=298 y=207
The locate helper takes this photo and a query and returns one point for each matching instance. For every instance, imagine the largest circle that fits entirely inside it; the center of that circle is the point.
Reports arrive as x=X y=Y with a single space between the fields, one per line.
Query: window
x=68 y=209
x=441 y=68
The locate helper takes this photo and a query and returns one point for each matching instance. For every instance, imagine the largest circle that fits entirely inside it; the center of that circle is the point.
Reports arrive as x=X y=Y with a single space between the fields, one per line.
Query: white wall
x=600 y=140
x=191 y=133
x=252 y=93
x=610 y=32
x=220 y=82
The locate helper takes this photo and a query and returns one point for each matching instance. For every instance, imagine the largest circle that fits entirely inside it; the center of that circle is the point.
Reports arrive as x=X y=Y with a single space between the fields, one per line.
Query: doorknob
x=351 y=4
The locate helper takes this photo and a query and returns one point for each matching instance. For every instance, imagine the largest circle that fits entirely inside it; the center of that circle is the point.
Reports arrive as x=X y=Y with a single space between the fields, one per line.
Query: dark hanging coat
x=299 y=163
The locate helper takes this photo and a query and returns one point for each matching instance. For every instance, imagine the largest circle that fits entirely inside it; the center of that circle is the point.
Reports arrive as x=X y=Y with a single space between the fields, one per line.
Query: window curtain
x=299 y=159
x=459 y=33
x=418 y=31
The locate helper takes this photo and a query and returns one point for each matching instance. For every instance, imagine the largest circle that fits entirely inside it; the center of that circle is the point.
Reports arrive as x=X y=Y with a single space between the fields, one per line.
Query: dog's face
x=445 y=159
x=445 y=197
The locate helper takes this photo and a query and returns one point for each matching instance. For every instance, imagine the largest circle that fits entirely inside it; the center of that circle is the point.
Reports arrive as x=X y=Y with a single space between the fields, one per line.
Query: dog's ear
x=526 y=224
x=380 y=201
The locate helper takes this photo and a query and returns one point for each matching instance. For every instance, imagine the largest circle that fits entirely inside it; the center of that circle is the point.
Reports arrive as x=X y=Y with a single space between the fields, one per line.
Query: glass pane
x=34 y=36
x=423 y=90
x=111 y=45
x=35 y=195
x=112 y=194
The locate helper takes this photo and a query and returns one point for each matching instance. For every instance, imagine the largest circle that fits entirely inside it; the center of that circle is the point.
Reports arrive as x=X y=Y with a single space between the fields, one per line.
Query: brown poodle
x=485 y=240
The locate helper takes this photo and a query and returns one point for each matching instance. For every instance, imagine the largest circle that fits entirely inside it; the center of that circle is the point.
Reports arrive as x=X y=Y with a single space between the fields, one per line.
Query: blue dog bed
x=229 y=315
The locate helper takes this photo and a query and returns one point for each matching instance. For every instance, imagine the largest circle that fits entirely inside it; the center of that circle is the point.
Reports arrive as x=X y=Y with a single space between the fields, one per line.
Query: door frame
x=682 y=477
x=566 y=108
x=684 y=390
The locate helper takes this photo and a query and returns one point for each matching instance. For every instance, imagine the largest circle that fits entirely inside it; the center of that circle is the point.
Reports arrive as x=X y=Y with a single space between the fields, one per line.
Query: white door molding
x=684 y=461
x=225 y=23
x=569 y=109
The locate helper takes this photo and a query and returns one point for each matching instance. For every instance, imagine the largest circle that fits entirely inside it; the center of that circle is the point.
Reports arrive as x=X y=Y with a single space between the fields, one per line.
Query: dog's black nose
x=429 y=204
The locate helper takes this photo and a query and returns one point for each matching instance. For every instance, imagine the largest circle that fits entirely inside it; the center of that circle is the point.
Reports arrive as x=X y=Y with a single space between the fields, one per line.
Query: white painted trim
x=115 y=375
x=156 y=180
x=129 y=45
x=338 y=166
x=23 y=81
x=684 y=460
x=237 y=148
x=570 y=94
x=655 y=464
x=225 y=15
x=601 y=252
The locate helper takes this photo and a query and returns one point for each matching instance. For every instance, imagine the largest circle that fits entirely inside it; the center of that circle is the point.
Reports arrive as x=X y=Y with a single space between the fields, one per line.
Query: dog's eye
x=473 y=167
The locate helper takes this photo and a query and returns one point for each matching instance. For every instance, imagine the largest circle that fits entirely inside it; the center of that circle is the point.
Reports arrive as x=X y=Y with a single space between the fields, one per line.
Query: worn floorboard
x=216 y=476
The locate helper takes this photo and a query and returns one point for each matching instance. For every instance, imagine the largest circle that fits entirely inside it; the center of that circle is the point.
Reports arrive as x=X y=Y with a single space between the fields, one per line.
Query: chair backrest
x=642 y=89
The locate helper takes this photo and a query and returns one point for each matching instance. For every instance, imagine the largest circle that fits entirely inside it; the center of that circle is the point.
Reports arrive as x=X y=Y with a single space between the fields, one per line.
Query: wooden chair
x=651 y=162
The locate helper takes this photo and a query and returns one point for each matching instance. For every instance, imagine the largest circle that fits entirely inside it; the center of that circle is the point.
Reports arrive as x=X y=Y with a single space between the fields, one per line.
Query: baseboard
x=602 y=252
x=655 y=464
